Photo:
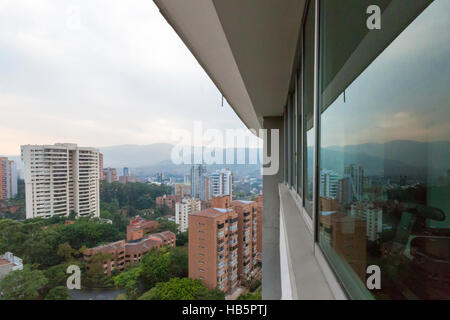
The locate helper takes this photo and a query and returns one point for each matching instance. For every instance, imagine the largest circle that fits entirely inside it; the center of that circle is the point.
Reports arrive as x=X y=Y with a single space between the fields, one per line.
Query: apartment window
x=285 y=146
x=384 y=141
x=299 y=131
x=308 y=107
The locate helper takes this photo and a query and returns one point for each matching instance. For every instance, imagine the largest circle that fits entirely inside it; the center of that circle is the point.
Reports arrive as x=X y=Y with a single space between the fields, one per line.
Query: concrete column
x=271 y=279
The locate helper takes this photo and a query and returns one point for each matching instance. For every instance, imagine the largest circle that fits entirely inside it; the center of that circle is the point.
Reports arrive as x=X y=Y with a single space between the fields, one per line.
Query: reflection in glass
x=308 y=108
x=384 y=154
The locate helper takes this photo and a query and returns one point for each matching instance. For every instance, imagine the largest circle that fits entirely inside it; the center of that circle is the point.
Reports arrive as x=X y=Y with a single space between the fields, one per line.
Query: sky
x=98 y=73
x=403 y=94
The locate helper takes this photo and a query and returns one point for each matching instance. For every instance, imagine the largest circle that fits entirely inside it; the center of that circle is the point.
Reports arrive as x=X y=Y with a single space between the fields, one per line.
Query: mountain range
x=399 y=157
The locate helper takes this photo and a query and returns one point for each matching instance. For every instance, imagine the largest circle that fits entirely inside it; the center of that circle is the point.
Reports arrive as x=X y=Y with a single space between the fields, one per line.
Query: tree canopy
x=181 y=289
x=25 y=284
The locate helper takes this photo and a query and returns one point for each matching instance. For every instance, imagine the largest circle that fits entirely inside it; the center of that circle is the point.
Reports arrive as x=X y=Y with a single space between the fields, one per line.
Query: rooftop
x=212 y=212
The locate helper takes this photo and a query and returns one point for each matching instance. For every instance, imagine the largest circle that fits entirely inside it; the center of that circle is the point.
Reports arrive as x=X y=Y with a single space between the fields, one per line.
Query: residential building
x=100 y=168
x=8 y=263
x=123 y=179
x=139 y=227
x=126 y=172
x=247 y=237
x=221 y=183
x=110 y=174
x=259 y=224
x=119 y=254
x=356 y=175
x=8 y=179
x=197 y=172
x=61 y=178
x=182 y=190
x=213 y=248
x=205 y=188
x=329 y=182
x=168 y=201
x=183 y=209
x=338 y=87
x=4 y=178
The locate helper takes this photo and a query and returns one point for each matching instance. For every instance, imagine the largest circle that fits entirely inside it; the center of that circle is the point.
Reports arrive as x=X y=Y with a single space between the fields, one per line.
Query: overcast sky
x=98 y=73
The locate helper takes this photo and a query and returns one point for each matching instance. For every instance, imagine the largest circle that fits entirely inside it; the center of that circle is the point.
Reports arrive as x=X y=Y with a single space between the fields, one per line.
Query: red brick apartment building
x=140 y=227
x=213 y=248
x=168 y=201
x=248 y=230
x=123 y=253
x=223 y=243
x=259 y=225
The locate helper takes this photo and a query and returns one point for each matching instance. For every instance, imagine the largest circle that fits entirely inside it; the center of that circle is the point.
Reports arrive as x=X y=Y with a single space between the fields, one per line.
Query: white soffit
x=246 y=47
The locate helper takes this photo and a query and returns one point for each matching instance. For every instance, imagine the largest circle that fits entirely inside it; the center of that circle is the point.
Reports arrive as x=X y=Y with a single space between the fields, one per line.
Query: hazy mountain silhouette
x=402 y=155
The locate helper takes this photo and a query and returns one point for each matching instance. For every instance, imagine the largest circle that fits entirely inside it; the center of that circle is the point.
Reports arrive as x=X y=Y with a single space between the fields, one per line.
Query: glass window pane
x=308 y=108
x=384 y=147
x=299 y=136
x=285 y=146
x=292 y=141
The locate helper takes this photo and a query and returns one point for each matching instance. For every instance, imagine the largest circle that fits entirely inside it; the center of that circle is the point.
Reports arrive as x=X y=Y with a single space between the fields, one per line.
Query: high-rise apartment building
x=356 y=174
x=205 y=188
x=4 y=178
x=197 y=172
x=329 y=183
x=247 y=236
x=61 y=178
x=183 y=209
x=223 y=243
x=100 y=168
x=213 y=248
x=221 y=183
x=8 y=179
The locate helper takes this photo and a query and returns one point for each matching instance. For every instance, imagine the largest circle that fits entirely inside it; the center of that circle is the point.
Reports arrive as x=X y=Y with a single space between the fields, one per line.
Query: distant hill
x=135 y=156
x=409 y=154
x=399 y=157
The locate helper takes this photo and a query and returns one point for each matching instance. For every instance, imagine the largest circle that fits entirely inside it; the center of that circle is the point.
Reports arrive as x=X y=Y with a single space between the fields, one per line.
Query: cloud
x=99 y=73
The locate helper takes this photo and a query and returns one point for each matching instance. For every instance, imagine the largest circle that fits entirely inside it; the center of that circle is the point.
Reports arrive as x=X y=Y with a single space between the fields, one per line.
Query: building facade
x=8 y=179
x=61 y=178
x=183 y=209
x=120 y=254
x=197 y=173
x=110 y=175
x=213 y=248
x=221 y=183
x=247 y=237
x=358 y=87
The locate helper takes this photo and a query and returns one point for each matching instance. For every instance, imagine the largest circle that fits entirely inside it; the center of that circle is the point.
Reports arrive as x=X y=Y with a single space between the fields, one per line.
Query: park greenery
x=49 y=246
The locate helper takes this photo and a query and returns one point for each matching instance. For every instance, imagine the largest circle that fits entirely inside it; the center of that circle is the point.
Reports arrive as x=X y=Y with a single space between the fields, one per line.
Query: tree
x=251 y=296
x=58 y=293
x=95 y=277
x=56 y=275
x=167 y=225
x=180 y=289
x=129 y=280
x=178 y=262
x=23 y=284
x=65 y=251
x=182 y=238
x=155 y=268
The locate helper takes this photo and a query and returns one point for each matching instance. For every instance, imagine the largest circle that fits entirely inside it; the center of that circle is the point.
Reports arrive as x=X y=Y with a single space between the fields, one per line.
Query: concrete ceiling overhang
x=246 y=47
